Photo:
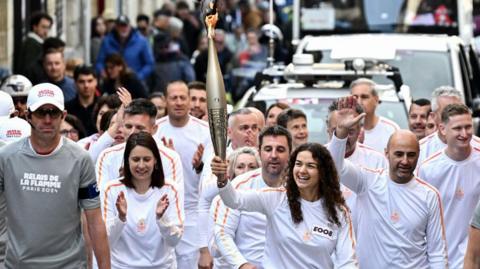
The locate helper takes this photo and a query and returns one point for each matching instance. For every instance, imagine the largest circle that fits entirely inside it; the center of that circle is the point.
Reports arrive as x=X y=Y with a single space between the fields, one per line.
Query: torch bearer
x=216 y=101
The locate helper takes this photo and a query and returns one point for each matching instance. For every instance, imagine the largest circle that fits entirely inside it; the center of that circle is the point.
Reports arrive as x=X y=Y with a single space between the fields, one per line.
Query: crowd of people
x=146 y=190
x=114 y=166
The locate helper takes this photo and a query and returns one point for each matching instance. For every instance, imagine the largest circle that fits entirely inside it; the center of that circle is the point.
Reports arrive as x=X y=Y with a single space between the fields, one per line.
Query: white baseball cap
x=6 y=105
x=45 y=93
x=14 y=129
x=16 y=85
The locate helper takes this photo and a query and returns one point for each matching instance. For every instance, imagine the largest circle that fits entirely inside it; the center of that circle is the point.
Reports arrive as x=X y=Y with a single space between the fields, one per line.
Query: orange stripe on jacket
x=105 y=201
x=177 y=205
x=102 y=159
x=444 y=236
x=170 y=158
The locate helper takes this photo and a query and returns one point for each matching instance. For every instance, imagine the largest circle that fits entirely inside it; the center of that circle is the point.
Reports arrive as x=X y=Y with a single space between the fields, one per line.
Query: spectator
x=255 y=51
x=103 y=104
x=129 y=43
x=119 y=75
x=31 y=49
x=143 y=27
x=201 y=46
x=224 y=57
x=35 y=72
x=160 y=22
x=171 y=62
x=272 y=113
x=236 y=41
x=198 y=99
x=109 y=16
x=71 y=64
x=18 y=87
x=295 y=121
x=72 y=128
x=175 y=28
x=98 y=29
x=83 y=104
x=417 y=117
x=54 y=66
x=192 y=26
x=158 y=99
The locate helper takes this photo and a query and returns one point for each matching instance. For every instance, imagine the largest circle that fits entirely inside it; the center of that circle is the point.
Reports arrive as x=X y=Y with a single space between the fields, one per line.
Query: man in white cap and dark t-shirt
x=47 y=180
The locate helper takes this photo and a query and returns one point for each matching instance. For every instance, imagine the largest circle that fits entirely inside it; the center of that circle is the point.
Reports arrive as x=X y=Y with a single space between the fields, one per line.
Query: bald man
x=405 y=211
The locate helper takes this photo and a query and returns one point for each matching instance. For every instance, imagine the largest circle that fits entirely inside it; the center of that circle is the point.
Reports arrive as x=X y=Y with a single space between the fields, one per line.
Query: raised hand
x=162 y=206
x=168 y=143
x=124 y=96
x=197 y=158
x=121 y=205
x=347 y=116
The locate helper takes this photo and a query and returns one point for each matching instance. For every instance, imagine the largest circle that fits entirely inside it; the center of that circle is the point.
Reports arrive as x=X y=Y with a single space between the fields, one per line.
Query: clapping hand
x=197 y=158
x=162 y=206
x=168 y=143
x=121 y=205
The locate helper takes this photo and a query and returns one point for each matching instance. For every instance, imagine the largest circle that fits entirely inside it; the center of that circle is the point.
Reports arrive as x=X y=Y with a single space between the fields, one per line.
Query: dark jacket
x=136 y=52
x=130 y=82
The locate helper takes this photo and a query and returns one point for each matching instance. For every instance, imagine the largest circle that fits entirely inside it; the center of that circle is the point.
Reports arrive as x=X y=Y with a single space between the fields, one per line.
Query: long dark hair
x=143 y=139
x=329 y=186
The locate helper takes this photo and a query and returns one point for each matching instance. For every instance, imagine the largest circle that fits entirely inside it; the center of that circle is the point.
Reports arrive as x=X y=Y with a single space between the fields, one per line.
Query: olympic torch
x=216 y=101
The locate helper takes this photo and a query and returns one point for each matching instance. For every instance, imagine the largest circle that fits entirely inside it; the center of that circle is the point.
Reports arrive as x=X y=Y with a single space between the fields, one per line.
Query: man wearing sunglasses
x=18 y=87
x=46 y=180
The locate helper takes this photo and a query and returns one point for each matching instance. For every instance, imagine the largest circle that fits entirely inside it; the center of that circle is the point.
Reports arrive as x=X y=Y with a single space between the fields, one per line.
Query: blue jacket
x=136 y=52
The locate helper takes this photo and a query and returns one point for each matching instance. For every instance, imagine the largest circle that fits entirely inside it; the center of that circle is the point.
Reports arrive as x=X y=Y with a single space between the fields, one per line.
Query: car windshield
x=317 y=111
x=436 y=64
x=373 y=16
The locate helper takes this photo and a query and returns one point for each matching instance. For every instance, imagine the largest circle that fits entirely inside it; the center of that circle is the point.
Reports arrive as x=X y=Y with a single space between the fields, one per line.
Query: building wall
x=6 y=33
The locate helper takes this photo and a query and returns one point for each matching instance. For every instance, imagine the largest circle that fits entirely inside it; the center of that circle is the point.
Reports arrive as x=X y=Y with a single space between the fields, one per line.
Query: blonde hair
x=232 y=159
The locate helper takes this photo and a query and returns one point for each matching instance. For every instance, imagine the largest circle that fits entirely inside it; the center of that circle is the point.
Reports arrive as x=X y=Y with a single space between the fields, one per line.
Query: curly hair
x=329 y=185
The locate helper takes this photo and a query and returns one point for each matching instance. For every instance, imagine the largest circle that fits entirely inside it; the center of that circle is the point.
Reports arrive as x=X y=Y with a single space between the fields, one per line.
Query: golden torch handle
x=216 y=101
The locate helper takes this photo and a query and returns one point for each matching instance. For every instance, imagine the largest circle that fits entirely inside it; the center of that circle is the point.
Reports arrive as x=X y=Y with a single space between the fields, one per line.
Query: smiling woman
x=308 y=223
x=143 y=213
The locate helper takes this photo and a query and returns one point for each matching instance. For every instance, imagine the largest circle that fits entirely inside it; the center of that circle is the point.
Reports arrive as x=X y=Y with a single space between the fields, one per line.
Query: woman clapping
x=143 y=213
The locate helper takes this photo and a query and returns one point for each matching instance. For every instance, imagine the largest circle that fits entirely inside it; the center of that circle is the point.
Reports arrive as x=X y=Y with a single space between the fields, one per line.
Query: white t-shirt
x=239 y=235
x=432 y=143
x=368 y=157
x=207 y=194
x=185 y=141
x=399 y=225
x=459 y=187
x=377 y=138
x=313 y=243
x=364 y=156
x=143 y=241
x=110 y=162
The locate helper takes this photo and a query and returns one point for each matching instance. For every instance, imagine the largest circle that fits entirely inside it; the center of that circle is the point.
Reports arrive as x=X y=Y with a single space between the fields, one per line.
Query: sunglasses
x=65 y=132
x=52 y=112
x=19 y=99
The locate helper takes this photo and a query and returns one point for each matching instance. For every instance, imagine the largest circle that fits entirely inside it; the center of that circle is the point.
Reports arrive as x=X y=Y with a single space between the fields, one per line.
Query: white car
x=425 y=61
x=313 y=87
